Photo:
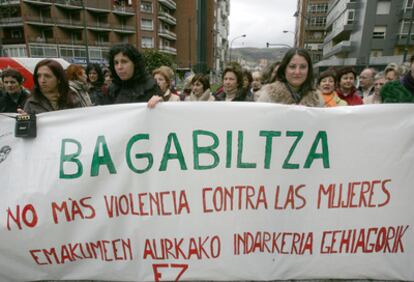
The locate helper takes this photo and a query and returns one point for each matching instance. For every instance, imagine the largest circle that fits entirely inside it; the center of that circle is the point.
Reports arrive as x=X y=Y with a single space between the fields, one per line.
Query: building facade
x=310 y=26
x=367 y=33
x=82 y=31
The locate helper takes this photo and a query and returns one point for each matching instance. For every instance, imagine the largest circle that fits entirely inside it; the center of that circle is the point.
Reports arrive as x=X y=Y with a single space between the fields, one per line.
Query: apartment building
x=367 y=33
x=82 y=31
x=310 y=26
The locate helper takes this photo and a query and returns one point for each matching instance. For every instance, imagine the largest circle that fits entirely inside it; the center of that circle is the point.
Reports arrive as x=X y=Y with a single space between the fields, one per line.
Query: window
x=409 y=4
x=146 y=7
x=16 y=33
x=379 y=32
x=147 y=24
x=318 y=8
x=317 y=21
x=351 y=16
x=383 y=7
x=147 y=42
x=376 y=53
x=405 y=26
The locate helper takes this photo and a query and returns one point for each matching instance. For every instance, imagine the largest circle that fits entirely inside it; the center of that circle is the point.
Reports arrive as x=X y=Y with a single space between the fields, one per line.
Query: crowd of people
x=290 y=81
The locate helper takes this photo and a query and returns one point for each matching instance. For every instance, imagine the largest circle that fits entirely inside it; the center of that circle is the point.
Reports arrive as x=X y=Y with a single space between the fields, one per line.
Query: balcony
x=42 y=21
x=13 y=41
x=98 y=6
x=102 y=43
x=69 y=4
x=9 y=2
x=39 y=2
x=124 y=29
x=402 y=39
x=99 y=26
x=123 y=11
x=11 y=22
x=339 y=49
x=345 y=31
x=69 y=23
x=165 y=33
x=314 y=27
x=165 y=17
x=168 y=50
x=168 y=3
x=42 y=40
x=71 y=42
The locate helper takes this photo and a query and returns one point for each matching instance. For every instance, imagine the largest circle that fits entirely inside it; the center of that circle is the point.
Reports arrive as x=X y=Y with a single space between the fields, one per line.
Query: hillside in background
x=254 y=55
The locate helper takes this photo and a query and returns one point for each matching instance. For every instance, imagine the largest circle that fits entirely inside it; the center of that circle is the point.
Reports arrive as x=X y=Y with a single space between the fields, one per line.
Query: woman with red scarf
x=346 y=86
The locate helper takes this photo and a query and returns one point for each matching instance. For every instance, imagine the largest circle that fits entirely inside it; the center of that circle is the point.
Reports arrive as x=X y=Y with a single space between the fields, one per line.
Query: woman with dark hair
x=51 y=91
x=200 y=89
x=326 y=85
x=269 y=75
x=346 y=86
x=130 y=83
x=98 y=91
x=232 y=85
x=294 y=84
x=78 y=84
x=247 y=84
x=14 y=96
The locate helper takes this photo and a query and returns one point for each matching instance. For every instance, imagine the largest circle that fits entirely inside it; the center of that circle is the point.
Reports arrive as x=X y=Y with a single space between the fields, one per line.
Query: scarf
x=329 y=99
x=203 y=97
x=296 y=95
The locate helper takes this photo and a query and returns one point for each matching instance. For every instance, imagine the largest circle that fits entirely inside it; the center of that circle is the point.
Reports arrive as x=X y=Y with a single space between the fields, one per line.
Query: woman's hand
x=154 y=101
x=21 y=112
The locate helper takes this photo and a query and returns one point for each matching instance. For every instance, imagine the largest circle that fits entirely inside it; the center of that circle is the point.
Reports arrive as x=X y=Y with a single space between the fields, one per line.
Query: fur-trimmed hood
x=277 y=92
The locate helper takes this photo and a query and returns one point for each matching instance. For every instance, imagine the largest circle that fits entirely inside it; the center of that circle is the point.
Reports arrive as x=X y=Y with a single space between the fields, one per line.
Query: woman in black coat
x=131 y=83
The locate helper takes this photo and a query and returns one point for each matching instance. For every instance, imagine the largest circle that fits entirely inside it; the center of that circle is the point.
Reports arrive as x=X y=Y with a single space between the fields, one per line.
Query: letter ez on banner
x=209 y=191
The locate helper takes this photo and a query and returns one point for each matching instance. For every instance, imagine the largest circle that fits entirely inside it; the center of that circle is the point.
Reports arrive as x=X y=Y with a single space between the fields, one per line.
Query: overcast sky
x=262 y=21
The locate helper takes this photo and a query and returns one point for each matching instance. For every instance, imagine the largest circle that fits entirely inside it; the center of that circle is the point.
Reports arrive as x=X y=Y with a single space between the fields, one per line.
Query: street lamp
x=288 y=31
x=231 y=42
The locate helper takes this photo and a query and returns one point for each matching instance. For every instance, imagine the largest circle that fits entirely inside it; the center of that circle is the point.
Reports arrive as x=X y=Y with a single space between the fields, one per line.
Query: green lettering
x=98 y=160
x=172 y=138
x=147 y=156
x=240 y=163
x=229 y=151
x=298 y=135
x=197 y=150
x=269 y=142
x=70 y=158
x=324 y=155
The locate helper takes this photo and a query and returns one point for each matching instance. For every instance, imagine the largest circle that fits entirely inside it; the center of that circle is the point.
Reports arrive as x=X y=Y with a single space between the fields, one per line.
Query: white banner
x=209 y=191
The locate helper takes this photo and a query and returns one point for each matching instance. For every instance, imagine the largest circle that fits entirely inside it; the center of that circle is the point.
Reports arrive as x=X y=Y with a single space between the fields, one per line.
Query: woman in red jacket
x=346 y=86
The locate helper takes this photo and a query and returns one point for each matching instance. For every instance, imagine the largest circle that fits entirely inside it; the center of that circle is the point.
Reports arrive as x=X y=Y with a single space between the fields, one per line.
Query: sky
x=262 y=21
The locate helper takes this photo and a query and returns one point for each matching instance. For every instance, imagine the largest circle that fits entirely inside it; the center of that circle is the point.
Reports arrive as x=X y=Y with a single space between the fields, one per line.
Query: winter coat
x=205 y=97
x=240 y=96
x=99 y=95
x=352 y=99
x=10 y=103
x=395 y=92
x=277 y=92
x=133 y=90
x=81 y=91
x=37 y=104
x=169 y=96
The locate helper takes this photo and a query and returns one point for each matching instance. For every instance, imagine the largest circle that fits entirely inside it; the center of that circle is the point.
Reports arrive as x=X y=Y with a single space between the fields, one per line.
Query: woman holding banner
x=51 y=89
x=294 y=82
x=131 y=83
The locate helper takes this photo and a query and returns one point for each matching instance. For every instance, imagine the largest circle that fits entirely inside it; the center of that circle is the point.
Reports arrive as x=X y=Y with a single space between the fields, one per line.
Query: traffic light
x=267 y=44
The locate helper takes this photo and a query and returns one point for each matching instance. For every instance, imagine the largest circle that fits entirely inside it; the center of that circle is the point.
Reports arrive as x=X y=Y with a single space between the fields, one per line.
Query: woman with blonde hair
x=163 y=77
